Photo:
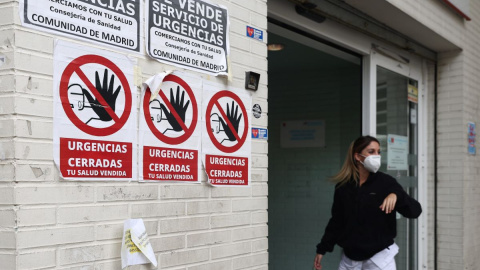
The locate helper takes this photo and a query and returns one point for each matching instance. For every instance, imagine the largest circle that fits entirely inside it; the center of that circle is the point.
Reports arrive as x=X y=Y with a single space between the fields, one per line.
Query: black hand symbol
x=106 y=91
x=232 y=117
x=178 y=106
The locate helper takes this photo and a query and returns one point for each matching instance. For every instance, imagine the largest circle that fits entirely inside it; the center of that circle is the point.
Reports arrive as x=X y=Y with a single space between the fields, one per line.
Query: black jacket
x=358 y=225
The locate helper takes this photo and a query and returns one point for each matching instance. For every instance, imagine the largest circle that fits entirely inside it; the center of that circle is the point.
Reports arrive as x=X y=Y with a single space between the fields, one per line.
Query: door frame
x=415 y=68
x=367 y=46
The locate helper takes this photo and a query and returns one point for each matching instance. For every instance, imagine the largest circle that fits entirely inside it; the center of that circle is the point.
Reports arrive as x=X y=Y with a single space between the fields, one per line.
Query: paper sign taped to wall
x=397 y=149
x=136 y=248
x=226 y=142
x=95 y=114
x=190 y=34
x=117 y=24
x=169 y=128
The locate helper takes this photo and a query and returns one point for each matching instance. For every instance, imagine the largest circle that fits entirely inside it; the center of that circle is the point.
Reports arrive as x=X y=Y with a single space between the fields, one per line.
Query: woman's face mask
x=372 y=163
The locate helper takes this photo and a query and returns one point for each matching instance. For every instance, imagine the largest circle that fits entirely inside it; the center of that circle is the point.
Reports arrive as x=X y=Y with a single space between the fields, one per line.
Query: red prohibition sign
x=188 y=131
x=74 y=67
x=214 y=101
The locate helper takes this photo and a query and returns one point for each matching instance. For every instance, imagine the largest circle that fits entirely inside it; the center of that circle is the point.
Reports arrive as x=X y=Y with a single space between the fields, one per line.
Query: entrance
x=315 y=111
x=395 y=118
x=397 y=133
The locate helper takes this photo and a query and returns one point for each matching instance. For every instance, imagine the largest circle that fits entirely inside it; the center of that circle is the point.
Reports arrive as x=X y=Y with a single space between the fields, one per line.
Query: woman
x=363 y=212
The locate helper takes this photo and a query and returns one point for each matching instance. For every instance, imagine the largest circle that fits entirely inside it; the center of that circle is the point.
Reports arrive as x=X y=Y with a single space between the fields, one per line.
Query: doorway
x=397 y=120
x=315 y=111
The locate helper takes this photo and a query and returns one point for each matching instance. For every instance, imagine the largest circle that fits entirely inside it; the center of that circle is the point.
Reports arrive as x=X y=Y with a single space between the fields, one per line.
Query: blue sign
x=254 y=33
x=471 y=138
x=260 y=133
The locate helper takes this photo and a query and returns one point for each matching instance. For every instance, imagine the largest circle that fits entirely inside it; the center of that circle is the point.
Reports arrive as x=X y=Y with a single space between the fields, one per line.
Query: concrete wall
x=451 y=151
x=471 y=188
x=437 y=16
x=7 y=131
x=48 y=223
x=458 y=97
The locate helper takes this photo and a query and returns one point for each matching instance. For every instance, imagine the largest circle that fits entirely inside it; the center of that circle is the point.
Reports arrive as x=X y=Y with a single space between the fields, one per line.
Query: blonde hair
x=349 y=170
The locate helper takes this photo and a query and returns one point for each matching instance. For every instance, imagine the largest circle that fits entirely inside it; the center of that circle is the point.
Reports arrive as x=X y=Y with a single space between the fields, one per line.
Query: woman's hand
x=316 y=263
x=389 y=203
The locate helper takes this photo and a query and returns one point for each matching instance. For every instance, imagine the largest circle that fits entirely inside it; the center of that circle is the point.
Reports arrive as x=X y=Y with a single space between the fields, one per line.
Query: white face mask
x=372 y=163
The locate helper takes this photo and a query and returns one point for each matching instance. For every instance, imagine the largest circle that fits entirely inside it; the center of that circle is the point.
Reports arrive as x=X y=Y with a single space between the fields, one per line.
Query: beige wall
x=458 y=98
x=46 y=222
x=472 y=163
x=436 y=16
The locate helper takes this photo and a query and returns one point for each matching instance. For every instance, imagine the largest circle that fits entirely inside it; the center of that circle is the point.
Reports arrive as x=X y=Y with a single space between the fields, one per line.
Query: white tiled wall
x=48 y=223
x=458 y=97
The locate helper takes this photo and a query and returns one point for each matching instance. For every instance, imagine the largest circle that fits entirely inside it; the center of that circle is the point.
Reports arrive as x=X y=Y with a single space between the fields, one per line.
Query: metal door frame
x=415 y=68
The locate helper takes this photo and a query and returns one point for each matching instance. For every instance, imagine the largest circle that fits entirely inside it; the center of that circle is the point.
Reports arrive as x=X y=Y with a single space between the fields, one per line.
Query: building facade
x=404 y=71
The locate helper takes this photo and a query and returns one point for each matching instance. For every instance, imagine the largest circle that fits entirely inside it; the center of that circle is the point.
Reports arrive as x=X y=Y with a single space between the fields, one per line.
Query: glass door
x=398 y=136
x=393 y=116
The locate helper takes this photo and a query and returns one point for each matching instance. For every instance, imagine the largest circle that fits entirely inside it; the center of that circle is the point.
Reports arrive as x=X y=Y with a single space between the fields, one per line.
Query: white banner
x=189 y=34
x=115 y=22
x=170 y=132
x=226 y=139
x=94 y=121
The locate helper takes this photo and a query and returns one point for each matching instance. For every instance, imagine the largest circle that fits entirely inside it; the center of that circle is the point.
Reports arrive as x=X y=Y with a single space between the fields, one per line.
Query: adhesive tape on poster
x=155 y=82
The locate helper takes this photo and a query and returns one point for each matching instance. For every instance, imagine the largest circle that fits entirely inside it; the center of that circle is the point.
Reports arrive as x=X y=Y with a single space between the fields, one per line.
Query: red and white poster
x=170 y=134
x=94 y=118
x=226 y=144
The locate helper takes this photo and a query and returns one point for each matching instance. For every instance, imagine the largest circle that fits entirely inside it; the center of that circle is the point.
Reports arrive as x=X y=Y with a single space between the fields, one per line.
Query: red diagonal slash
x=172 y=111
x=97 y=95
x=220 y=109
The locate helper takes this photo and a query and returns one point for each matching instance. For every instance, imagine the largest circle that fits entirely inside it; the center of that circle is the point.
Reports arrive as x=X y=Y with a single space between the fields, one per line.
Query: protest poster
x=94 y=119
x=226 y=139
x=170 y=133
x=190 y=34
x=115 y=23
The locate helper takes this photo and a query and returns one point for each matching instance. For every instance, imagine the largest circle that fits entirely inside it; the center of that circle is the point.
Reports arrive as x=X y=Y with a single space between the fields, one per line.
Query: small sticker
x=257 y=111
x=260 y=133
x=254 y=33
x=471 y=138
x=2 y=60
x=413 y=116
x=412 y=93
